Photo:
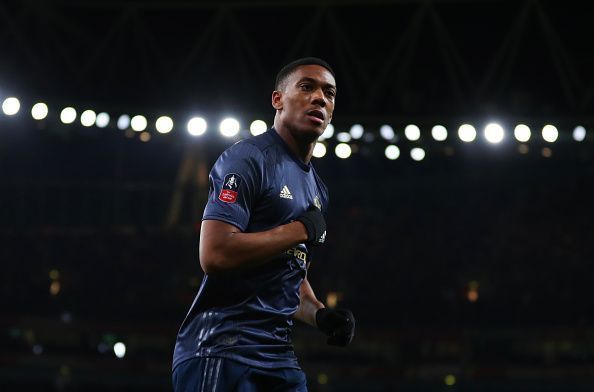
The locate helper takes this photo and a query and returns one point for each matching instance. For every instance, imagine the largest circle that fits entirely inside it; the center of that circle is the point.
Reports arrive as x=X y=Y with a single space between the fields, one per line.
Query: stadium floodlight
x=145 y=137
x=467 y=133
x=522 y=133
x=387 y=132
x=102 y=120
x=119 y=349
x=418 y=154
x=68 y=115
x=450 y=380
x=439 y=133
x=546 y=152
x=343 y=150
x=550 y=133
x=319 y=150
x=357 y=131
x=343 y=137
x=392 y=152
x=197 y=126
x=164 y=124
x=39 y=111
x=138 y=123
x=328 y=132
x=87 y=118
x=579 y=133
x=55 y=287
x=494 y=133
x=412 y=132
x=123 y=122
x=258 y=127
x=229 y=127
x=11 y=106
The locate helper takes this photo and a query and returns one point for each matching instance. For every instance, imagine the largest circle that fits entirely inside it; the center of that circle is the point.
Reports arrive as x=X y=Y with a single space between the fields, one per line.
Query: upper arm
x=235 y=183
x=213 y=236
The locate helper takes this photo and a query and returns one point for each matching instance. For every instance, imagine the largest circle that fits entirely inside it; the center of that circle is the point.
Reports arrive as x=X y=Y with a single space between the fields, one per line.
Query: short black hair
x=289 y=68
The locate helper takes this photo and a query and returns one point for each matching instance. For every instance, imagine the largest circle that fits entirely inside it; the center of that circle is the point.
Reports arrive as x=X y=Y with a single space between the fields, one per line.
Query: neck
x=300 y=147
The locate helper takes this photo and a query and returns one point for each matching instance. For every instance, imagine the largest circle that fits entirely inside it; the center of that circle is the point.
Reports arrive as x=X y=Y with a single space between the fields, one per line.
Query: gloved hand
x=315 y=225
x=338 y=324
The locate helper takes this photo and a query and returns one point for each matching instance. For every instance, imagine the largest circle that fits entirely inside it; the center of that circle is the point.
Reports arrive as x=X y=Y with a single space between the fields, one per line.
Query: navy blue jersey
x=246 y=316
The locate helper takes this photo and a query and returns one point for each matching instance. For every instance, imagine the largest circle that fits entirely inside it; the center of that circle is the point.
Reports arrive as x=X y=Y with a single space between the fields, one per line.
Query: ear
x=277 y=100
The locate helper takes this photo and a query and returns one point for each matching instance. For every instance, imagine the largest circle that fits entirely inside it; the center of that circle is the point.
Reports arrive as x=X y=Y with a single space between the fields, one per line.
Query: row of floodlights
x=493 y=132
x=344 y=151
x=196 y=126
x=230 y=127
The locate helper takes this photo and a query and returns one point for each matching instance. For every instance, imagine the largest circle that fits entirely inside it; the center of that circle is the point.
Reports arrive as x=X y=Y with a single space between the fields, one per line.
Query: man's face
x=306 y=101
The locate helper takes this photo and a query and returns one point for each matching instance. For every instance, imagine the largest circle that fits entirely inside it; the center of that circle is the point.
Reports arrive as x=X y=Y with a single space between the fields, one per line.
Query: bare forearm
x=309 y=305
x=227 y=250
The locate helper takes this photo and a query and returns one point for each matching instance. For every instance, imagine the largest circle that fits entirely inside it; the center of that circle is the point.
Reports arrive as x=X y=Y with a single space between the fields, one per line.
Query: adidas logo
x=322 y=238
x=285 y=193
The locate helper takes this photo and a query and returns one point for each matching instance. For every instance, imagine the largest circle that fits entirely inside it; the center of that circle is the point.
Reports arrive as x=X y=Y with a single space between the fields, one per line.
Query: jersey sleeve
x=235 y=183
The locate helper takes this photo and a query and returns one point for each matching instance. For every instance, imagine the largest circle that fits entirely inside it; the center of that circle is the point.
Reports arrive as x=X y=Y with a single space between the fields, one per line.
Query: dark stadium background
x=470 y=270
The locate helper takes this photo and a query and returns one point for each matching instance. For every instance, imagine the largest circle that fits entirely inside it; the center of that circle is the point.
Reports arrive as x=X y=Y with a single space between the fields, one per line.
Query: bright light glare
x=196 y=126
x=11 y=106
x=387 y=132
x=328 y=132
x=123 y=122
x=229 y=127
x=343 y=150
x=258 y=127
x=319 y=150
x=417 y=154
x=164 y=124
x=68 y=115
x=343 y=137
x=466 y=133
x=450 y=380
x=119 y=349
x=439 y=133
x=550 y=133
x=102 y=120
x=357 y=131
x=87 y=118
x=522 y=133
x=39 y=111
x=579 y=133
x=412 y=132
x=145 y=137
x=494 y=133
x=138 y=123
x=392 y=152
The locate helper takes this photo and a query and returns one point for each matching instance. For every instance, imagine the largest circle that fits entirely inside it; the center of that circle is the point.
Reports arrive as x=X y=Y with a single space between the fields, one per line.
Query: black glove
x=338 y=324
x=315 y=224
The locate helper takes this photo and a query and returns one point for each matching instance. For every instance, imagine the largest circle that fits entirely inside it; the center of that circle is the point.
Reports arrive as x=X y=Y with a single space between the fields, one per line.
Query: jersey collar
x=279 y=140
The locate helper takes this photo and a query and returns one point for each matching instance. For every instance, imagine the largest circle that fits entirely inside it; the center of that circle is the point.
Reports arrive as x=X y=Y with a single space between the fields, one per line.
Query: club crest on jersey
x=230 y=188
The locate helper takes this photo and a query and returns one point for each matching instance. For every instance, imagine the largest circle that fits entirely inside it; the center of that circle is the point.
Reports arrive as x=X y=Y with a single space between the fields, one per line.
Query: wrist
x=319 y=314
x=300 y=231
